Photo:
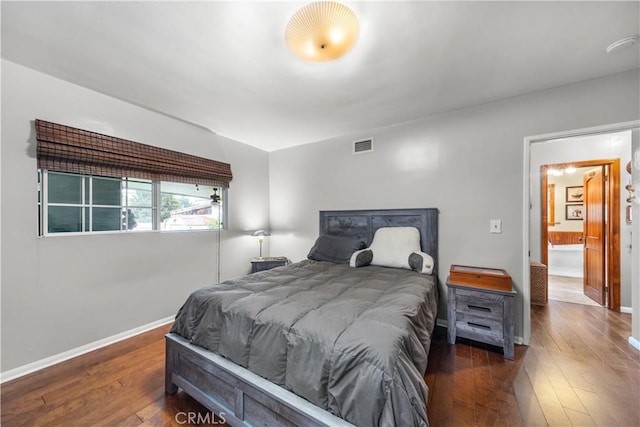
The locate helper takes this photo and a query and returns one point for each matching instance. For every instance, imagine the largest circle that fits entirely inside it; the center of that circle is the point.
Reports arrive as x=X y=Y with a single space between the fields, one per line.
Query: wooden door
x=594 y=235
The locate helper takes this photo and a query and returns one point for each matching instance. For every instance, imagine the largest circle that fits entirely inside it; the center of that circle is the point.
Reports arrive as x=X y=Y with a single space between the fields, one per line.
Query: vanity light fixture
x=322 y=31
x=559 y=172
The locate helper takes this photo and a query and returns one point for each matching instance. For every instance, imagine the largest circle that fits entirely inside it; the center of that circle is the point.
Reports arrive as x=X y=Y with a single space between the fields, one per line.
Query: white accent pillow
x=392 y=246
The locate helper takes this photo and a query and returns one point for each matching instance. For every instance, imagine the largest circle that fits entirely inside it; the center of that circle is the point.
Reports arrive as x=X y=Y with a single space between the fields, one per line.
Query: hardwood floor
x=118 y=385
x=569 y=289
x=579 y=370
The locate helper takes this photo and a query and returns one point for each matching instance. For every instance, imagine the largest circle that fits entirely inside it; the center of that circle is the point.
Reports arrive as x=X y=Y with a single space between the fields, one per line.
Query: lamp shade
x=261 y=233
x=322 y=31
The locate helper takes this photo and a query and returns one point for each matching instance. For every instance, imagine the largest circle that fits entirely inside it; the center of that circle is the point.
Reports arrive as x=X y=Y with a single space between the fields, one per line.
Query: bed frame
x=243 y=398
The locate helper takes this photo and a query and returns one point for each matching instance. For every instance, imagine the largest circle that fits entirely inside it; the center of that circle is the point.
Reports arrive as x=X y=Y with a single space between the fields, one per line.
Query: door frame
x=612 y=229
x=526 y=205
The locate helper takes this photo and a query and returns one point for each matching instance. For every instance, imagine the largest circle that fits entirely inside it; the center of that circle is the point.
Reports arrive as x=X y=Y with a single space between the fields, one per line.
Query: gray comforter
x=353 y=341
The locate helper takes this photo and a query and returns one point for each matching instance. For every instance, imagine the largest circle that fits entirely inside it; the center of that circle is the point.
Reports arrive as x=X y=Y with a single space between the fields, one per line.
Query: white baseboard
x=78 y=351
x=625 y=310
x=634 y=342
x=443 y=323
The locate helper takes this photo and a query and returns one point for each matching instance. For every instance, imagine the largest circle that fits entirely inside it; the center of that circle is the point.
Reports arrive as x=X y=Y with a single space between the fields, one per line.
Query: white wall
x=62 y=292
x=467 y=163
x=592 y=147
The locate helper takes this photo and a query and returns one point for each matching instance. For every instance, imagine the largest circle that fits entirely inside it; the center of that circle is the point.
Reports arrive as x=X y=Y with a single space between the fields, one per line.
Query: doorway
x=531 y=199
x=580 y=227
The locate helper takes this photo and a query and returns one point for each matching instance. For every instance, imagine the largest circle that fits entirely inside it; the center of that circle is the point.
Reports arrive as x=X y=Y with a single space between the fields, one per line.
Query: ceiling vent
x=364 y=146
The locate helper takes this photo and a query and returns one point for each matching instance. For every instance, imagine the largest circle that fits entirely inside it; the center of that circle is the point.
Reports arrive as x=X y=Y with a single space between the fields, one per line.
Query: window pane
x=187 y=207
x=139 y=194
x=87 y=183
x=64 y=219
x=140 y=219
x=106 y=191
x=64 y=188
x=107 y=219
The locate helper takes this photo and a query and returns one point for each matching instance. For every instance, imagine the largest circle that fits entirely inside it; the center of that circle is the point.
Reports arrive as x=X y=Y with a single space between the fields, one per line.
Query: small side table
x=267 y=263
x=485 y=315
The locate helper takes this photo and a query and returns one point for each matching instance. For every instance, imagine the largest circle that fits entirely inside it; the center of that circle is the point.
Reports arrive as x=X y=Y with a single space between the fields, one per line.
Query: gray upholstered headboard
x=364 y=224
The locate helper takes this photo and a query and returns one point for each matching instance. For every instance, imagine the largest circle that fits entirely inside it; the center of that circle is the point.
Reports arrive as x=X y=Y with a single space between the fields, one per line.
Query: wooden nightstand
x=267 y=263
x=485 y=315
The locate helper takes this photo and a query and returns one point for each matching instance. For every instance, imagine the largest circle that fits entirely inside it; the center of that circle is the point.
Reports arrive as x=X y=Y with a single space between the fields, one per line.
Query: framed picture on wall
x=575 y=194
x=574 y=212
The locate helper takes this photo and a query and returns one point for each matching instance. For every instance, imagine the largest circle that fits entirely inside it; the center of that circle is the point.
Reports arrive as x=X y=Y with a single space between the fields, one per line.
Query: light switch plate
x=495 y=226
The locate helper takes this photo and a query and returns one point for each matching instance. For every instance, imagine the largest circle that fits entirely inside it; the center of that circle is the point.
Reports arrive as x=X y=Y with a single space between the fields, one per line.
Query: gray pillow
x=361 y=258
x=421 y=262
x=336 y=249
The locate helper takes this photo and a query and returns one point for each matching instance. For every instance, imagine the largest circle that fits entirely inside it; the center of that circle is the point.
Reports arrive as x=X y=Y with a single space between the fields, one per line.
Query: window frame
x=43 y=206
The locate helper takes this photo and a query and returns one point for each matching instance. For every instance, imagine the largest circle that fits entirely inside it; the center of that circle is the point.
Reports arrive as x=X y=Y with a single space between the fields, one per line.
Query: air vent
x=364 y=146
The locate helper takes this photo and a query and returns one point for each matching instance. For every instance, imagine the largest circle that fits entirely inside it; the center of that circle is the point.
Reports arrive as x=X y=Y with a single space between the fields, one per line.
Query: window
x=188 y=207
x=75 y=203
x=90 y=183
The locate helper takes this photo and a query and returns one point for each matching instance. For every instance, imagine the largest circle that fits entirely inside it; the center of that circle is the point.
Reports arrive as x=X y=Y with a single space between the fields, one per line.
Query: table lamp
x=260 y=235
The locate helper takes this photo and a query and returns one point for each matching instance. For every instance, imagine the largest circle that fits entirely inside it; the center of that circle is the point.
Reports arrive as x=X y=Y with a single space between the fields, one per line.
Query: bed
x=354 y=341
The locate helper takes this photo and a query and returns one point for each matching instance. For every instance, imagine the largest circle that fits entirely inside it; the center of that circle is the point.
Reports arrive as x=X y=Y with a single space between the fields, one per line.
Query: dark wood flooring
x=579 y=370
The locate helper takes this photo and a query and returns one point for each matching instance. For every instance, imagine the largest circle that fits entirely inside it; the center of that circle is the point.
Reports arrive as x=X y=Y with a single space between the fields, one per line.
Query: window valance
x=67 y=149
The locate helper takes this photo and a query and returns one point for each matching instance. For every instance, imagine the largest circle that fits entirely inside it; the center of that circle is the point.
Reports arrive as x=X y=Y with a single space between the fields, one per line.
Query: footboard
x=239 y=396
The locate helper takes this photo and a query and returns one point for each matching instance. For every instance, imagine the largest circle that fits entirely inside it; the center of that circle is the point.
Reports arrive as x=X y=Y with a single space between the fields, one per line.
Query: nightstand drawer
x=478 y=305
x=479 y=295
x=480 y=328
x=262 y=264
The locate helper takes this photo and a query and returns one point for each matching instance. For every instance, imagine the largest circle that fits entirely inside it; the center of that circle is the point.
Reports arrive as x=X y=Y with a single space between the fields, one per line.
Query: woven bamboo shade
x=67 y=149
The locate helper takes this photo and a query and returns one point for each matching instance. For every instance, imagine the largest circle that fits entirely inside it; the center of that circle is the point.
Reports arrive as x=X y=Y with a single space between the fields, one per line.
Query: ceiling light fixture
x=322 y=31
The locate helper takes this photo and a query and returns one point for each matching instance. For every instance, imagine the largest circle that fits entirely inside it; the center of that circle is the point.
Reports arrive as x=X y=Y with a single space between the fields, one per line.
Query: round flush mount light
x=622 y=43
x=322 y=31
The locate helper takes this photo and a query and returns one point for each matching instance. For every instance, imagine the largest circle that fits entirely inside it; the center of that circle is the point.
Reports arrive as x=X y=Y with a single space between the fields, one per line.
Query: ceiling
x=225 y=66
